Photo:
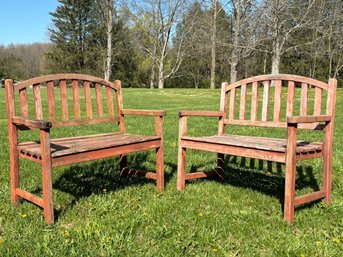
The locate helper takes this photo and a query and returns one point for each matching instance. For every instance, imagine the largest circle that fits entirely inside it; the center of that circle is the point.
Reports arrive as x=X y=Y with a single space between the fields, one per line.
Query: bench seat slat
x=67 y=146
x=261 y=143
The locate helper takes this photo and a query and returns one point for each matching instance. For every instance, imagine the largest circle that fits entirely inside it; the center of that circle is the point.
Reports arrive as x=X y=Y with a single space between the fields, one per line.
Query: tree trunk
x=276 y=57
x=160 y=75
x=213 y=46
x=233 y=69
x=109 y=39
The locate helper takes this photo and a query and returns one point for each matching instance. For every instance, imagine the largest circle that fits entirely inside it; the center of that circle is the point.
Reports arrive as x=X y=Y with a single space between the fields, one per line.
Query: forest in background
x=185 y=43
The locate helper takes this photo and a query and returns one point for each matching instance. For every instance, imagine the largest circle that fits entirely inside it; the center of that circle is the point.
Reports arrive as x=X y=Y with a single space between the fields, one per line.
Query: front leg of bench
x=48 y=204
x=290 y=173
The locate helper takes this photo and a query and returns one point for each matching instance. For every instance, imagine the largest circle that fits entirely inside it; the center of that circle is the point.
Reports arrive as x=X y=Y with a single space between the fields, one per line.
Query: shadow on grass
x=85 y=179
x=265 y=177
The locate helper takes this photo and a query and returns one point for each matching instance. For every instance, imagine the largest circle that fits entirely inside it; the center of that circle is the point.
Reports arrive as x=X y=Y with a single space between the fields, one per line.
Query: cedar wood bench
x=51 y=153
x=288 y=150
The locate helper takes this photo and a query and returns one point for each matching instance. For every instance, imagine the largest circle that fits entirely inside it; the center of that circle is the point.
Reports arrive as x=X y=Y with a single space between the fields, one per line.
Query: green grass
x=99 y=214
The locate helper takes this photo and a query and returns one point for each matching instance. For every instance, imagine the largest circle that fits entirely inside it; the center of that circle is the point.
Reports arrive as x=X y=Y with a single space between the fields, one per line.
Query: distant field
x=99 y=214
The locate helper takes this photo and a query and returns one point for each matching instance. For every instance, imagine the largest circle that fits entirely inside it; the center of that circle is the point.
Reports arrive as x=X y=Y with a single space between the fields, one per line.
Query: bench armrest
x=39 y=124
x=201 y=113
x=308 y=119
x=143 y=112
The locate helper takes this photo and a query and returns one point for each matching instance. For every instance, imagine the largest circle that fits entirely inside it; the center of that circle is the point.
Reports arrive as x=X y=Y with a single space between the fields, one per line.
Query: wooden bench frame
x=45 y=157
x=291 y=123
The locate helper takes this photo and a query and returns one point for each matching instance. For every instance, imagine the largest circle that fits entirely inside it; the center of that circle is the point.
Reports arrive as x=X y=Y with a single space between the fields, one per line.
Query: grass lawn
x=99 y=214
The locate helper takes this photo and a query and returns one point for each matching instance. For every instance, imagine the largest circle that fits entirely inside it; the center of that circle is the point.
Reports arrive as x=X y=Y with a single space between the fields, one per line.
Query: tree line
x=185 y=43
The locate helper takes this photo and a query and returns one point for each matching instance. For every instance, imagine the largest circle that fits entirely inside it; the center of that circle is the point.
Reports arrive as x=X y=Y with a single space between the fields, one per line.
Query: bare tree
x=155 y=23
x=283 y=20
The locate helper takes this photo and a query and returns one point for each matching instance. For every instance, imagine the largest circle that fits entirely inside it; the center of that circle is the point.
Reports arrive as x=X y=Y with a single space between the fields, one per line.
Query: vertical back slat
x=98 y=100
x=254 y=101
x=24 y=109
x=64 y=99
x=37 y=101
x=109 y=97
x=290 y=98
x=119 y=102
x=303 y=99
x=76 y=98
x=265 y=103
x=223 y=107
x=242 y=112
x=51 y=100
x=277 y=100
x=317 y=109
x=88 y=99
x=232 y=103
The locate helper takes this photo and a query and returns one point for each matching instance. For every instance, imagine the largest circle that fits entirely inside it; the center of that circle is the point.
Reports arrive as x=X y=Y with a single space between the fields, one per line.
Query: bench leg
x=160 y=168
x=220 y=165
x=48 y=203
x=290 y=174
x=327 y=166
x=181 y=169
x=15 y=179
x=123 y=165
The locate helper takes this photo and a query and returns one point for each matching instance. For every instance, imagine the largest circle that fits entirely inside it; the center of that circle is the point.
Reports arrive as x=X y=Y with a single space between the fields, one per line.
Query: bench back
x=273 y=98
x=64 y=107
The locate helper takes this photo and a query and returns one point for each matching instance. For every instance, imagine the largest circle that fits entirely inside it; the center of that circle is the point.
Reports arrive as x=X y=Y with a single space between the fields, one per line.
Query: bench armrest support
x=30 y=123
x=201 y=113
x=143 y=112
x=308 y=119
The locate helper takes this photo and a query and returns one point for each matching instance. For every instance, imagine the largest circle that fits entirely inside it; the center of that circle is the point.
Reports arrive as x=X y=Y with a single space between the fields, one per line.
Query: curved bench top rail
x=62 y=76
x=285 y=77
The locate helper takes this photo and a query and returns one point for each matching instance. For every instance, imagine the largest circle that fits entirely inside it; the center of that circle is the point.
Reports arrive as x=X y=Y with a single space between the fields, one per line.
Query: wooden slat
x=98 y=97
x=119 y=102
x=201 y=174
x=290 y=98
x=254 y=101
x=232 y=103
x=64 y=100
x=201 y=113
x=29 y=197
x=37 y=101
x=265 y=103
x=110 y=106
x=317 y=109
x=51 y=100
x=272 y=124
x=76 y=98
x=24 y=109
x=309 y=119
x=140 y=173
x=104 y=153
x=84 y=122
x=88 y=100
x=304 y=99
x=235 y=150
x=308 y=197
x=277 y=100
x=243 y=101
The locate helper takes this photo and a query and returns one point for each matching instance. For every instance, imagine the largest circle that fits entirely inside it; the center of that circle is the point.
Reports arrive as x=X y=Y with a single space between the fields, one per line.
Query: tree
x=106 y=10
x=155 y=27
x=74 y=36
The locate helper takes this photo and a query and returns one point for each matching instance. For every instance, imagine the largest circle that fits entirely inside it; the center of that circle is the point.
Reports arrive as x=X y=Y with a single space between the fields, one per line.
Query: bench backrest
x=273 y=98
x=65 y=107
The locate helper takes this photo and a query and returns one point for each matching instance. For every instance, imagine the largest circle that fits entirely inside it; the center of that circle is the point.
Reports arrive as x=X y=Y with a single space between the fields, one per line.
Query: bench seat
x=62 y=147
x=259 y=143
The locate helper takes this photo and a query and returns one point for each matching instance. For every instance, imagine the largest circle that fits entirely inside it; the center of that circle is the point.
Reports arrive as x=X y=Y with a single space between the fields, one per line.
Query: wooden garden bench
x=288 y=150
x=51 y=153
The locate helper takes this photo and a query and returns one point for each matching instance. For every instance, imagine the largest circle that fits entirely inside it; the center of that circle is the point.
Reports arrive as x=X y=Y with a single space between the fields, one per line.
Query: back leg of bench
x=160 y=168
x=181 y=169
x=123 y=165
x=220 y=165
